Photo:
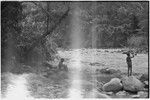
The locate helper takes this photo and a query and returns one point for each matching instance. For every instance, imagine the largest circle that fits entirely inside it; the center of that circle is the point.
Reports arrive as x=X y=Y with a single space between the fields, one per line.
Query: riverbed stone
x=144 y=77
x=109 y=93
x=143 y=94
x=108 y=71
x=146 y=84
x=113 y=86
x=135 y=96
x=95 y=94
x=121 y=93
x=132 y=84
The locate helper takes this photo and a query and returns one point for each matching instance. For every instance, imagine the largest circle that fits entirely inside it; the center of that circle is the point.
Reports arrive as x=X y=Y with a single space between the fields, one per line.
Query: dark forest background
x=31 y=32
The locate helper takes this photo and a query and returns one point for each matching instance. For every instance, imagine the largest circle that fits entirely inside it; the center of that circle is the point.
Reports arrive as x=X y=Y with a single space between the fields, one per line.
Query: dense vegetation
x=32 y=31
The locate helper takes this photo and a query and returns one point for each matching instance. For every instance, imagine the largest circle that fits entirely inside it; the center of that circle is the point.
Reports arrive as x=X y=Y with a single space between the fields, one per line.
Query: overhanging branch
x=45 y=11
x=34 y=44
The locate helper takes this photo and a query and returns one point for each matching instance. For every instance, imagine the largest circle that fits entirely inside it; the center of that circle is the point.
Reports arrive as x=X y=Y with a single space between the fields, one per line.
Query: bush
x=137 y=41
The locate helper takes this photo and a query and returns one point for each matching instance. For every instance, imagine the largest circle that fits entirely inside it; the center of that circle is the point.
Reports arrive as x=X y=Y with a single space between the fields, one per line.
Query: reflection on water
x=17 y=90
x=75 y=90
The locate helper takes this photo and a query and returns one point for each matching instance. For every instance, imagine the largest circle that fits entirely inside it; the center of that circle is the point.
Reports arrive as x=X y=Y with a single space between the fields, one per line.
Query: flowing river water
x=82 y=64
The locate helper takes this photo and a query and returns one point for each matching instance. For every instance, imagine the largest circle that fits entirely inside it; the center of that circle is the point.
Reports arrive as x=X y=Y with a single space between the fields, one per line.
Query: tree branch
x=47 y=13
x=34 y=44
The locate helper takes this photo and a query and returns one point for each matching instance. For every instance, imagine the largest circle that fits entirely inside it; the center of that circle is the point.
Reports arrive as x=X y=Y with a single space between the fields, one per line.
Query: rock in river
x=146 y=84
x=132 y=84
x=121 y=94
x=143 y=94
x=144 y=77
x=113 y=86
x=108 y=71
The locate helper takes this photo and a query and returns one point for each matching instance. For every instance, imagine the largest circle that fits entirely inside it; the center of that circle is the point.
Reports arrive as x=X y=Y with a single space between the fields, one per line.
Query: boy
x=129 y=63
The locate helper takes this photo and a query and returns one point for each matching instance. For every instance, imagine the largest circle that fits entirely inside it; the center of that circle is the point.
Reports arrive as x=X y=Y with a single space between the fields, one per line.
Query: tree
x=11 y=29
x=23 y=31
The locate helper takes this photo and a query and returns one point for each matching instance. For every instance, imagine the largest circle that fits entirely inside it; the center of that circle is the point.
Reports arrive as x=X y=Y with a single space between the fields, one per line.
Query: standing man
x=129 y=63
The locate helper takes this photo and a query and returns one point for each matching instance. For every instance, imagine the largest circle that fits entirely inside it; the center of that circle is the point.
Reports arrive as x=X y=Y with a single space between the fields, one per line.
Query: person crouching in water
x=62 y=66
x=129 y=63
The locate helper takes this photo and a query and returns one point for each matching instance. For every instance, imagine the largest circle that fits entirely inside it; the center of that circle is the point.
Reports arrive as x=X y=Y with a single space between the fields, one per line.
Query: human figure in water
x=62 y=66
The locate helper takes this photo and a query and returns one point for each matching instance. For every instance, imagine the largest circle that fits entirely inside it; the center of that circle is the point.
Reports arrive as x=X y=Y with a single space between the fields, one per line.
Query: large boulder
x=132 y=84
x=113 y=86
x=144 y=77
